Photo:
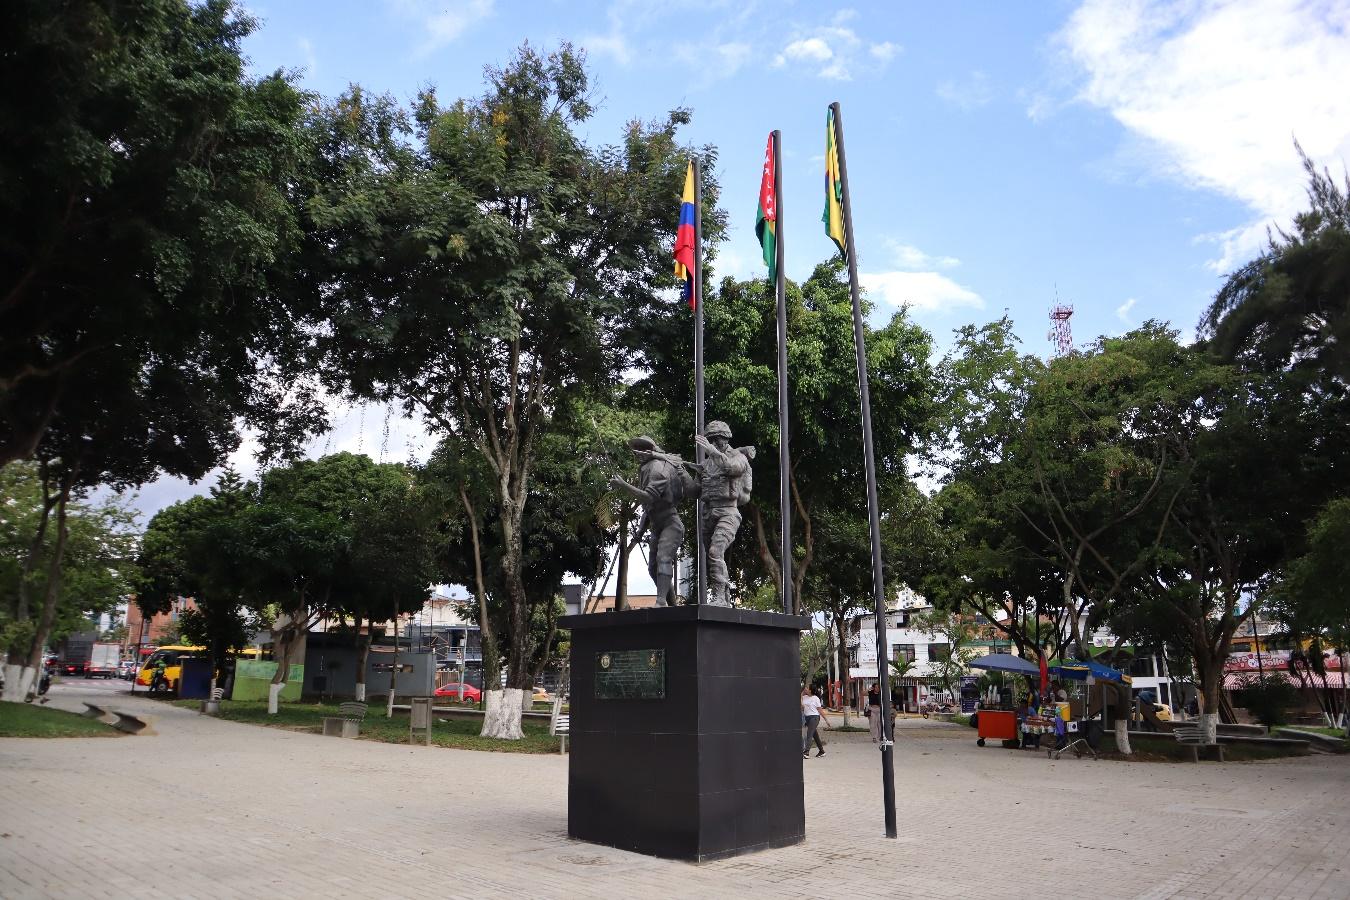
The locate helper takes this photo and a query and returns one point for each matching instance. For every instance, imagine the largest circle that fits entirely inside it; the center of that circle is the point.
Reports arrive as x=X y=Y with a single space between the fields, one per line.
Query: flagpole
x=784 y=460
x=873 y=506
x=697 y=294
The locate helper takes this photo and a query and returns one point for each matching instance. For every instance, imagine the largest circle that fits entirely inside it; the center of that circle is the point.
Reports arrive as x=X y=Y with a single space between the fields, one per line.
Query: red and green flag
x=766 y=219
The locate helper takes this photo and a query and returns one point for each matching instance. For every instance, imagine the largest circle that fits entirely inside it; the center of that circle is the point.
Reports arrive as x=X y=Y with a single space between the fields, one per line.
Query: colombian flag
x=684 y=239
x=833 y=217
x=766 y=218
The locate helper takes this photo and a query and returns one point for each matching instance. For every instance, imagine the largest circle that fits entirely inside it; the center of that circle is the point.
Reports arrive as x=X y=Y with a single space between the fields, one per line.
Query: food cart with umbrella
x=1091 y=672
x=1001 y=724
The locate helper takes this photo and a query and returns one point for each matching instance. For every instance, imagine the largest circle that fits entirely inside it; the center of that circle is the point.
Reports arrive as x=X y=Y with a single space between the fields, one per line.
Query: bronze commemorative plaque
x=630 y=675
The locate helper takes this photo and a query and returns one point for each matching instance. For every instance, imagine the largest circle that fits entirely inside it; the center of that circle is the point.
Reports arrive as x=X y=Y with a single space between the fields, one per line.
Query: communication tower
x=1060 y=331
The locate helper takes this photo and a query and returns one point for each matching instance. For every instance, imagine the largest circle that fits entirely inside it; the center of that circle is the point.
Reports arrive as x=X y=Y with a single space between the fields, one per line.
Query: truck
x=104 y=659
x=73 y=652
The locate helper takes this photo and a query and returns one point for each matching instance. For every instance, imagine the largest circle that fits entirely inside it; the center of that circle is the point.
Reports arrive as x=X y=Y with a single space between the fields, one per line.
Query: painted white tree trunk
x=1209 y=727
x=361 y=691
x=389 y=707
x=502 y=716
x=19 y=681
x=273 y=693
x=1123 y=736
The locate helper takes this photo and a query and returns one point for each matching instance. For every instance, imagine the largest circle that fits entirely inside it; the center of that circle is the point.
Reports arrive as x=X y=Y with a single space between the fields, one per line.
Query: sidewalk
x=213 y=809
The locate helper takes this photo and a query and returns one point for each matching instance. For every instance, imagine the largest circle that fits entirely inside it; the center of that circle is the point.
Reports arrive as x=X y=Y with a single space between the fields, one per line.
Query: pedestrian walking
x=811 y=715
x=872 y=709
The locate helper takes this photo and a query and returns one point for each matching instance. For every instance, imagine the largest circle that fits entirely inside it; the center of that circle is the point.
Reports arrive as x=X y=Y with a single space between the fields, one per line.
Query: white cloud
x=912 y=258
x=1219 y=90
x=307 y=51
x=1123 y=310
x=885 y=51
x=441 y=22
x=837 y=50
x=614 y=45
x=808 y=49
x=930 y=291
x=970 y=92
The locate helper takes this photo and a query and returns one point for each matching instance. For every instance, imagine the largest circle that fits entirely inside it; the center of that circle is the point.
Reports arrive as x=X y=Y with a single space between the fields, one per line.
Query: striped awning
x=1236 y=681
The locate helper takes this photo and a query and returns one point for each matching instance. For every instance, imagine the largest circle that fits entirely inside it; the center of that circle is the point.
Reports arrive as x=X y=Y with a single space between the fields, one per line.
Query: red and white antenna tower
x=1060 y=331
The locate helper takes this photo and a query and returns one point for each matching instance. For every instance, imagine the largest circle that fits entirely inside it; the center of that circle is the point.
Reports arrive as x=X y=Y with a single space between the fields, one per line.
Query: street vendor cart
x=1001 y=724
x=996 y=724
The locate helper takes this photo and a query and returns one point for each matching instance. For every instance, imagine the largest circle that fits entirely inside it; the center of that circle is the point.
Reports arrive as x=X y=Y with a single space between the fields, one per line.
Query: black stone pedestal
x=701 y=759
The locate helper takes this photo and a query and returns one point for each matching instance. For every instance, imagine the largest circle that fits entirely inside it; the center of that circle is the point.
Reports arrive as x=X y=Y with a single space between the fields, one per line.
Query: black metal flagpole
x=697 y=294
x=873 y=506
x=780 y=287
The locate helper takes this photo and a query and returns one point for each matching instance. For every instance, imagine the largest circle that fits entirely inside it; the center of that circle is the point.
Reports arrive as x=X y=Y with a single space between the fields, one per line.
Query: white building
x=905 y=640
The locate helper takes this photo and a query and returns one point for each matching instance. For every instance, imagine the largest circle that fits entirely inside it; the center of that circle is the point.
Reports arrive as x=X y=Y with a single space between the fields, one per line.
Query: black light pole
x=873 y=505
x=780 y=289
x=696 y=294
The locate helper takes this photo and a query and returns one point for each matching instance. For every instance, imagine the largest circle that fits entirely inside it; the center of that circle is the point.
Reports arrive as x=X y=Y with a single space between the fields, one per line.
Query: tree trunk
x=21 y=674
x=502 y=716
x=1210 y=687
x=496 y=719
x=842 y=660
x=286 y=636
x=362 y=659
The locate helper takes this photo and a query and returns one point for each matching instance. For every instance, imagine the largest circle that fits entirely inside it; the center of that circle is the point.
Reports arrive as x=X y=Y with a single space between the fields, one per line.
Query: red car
x=452 y=691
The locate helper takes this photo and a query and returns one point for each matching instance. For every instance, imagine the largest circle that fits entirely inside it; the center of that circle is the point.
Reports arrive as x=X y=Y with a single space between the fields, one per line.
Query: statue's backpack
x=744 y=483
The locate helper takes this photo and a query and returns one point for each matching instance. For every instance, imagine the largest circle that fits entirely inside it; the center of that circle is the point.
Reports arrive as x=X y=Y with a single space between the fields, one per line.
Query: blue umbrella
x=1005 y=662
x=1079 y=671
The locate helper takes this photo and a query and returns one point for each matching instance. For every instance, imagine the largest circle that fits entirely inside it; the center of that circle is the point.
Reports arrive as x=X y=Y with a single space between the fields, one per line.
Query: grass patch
x=1317 y=729
x=30 y=720
x=1162 y=749
x=456 y=732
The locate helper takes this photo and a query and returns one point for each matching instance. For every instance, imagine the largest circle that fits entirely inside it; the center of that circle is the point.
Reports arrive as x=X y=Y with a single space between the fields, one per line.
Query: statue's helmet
x=717 y=428
x=643 y=443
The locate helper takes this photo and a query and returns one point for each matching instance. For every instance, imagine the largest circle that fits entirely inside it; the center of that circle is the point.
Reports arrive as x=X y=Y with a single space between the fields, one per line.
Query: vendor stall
x=1001 y=723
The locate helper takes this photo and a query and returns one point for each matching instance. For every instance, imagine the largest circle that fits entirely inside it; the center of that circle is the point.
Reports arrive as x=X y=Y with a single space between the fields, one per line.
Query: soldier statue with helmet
x=662 y=484
x=724 y=485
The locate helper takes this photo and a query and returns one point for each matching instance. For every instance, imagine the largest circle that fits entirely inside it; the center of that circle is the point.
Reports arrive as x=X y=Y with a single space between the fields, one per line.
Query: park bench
x=348 y=721
x=1193 y=738
x=561 y=723
x=123 y=722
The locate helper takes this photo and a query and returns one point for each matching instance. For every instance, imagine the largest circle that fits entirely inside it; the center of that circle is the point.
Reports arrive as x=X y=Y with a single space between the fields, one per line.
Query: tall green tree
x=195 y=548
x=62 y=559
x=337 y=536
x=1290 y=306
x=152 y=237
x=492 y=268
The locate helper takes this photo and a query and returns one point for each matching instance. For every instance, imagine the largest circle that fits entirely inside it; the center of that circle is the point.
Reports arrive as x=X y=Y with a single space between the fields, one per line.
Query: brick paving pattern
x=212 y=809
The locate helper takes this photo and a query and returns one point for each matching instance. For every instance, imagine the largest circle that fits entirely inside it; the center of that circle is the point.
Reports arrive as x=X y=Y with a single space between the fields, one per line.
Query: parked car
x=451 y=691
x=126 y=669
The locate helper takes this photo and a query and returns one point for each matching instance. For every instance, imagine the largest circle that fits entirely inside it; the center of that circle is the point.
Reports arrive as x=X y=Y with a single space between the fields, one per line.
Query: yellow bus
x=173 y=669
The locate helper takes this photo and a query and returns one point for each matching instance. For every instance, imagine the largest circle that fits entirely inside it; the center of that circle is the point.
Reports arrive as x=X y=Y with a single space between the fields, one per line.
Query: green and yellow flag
x=833 y=217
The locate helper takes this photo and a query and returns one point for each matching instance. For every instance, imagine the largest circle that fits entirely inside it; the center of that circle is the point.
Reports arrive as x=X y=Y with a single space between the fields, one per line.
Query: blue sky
x=1123 y=155
x=1119 y=154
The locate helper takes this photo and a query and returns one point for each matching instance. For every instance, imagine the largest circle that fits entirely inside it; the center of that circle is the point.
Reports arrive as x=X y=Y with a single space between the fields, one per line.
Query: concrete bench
x=348 y=722
x=1193 y=738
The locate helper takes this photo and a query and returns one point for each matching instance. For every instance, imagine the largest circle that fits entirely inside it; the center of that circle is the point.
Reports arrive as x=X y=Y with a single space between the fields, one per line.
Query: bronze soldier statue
x=662 y=484
x=724 y=485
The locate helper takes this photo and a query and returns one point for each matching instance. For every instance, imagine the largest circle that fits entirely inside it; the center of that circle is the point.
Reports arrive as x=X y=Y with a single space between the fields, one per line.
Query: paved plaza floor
x=211 y=809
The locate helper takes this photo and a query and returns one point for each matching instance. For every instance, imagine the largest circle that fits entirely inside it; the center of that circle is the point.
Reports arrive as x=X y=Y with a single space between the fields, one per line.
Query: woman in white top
x=811 y=715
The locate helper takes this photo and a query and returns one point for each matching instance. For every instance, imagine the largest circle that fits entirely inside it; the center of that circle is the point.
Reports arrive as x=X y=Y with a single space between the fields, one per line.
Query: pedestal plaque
x=686 y=731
